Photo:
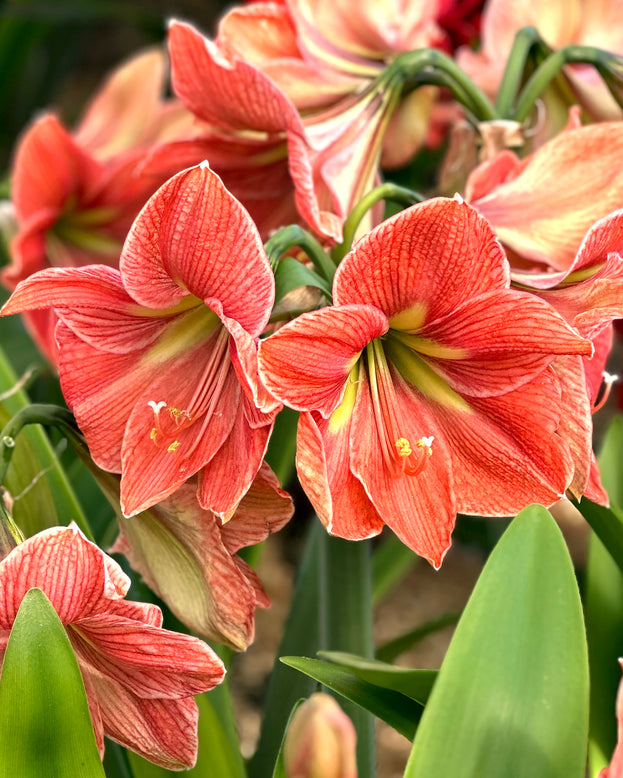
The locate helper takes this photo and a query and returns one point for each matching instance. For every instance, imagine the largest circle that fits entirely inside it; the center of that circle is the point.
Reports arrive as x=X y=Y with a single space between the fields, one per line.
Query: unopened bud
x=321 y=741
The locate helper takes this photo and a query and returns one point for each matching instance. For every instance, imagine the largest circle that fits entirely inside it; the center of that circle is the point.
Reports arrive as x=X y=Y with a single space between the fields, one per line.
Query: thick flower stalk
x=217 y=594
x=158 y=360
x=426 y=389
x=140 y=679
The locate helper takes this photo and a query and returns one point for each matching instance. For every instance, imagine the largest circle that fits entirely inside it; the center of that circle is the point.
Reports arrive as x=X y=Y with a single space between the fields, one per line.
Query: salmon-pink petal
x=503 y=167
x=496 y=343
x=28 y=246
x=236 y=96
x=307 y=362
x=124 y=108
x=575 y=426
x=50 y=168
x=569 y=183
x=500 y=464
x=193 y=236
x=150 y=662
x=154 y=464
x=425 y=261
x=231 y=94
x=143 y=612
x=419 y=508
x=64 y=565
x=227 y=476
x=264 y=509
x=162 y=731
x=323 y=467
x=96 y=388
x=308 y=83
x=94 y=709
x=90 y=288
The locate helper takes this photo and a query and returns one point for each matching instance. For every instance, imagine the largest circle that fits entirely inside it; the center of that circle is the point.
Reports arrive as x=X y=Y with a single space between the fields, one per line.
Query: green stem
x=423 y=66
x=47 y=415
x=525 y=40
x=386 y=191
x=293 y=235
x=347 y=597
x=550 y=68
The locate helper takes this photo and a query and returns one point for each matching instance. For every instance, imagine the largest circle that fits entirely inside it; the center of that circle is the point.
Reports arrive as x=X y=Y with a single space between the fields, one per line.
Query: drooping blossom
x=217 y=593
x=615 y=768
x=560 y=23
x=555 y=213
x=426 y=389
x=319 y=106
x=76 y=194
x=140 y=679
x=158 y=360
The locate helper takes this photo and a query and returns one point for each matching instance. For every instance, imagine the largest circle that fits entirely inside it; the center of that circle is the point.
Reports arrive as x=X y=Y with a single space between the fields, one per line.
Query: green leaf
x=399 y=711
x=511 y=698
x=45 y=724
x=607 y=524
x=416 y=684
x=393 y=648
x=603 y=608
x=50 y=500
x=291 y=274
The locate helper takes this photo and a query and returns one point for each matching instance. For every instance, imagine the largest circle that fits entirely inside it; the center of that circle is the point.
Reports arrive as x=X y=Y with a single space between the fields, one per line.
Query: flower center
x=400 y=454
x=170 y=421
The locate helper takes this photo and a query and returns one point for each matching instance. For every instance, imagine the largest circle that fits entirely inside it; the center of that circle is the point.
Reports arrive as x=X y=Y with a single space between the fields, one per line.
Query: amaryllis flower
x=188 y=557
x=552 y=213
x=139 y=678
x=560 y=23
x=319 y=103
x=158 y=360
x=426 y=389
x=77 y=194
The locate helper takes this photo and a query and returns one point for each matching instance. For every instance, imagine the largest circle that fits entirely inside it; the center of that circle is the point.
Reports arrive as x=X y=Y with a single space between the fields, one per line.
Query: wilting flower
x=139 y=678
x=426 y=389
x=560 y=23
x=158 y=361
x=188 y=557
x=615 y=768
x=76 y=194
x=321 y=741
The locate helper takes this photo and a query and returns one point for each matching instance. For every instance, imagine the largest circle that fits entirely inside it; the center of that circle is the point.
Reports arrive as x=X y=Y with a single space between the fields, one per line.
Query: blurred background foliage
x=53 y=53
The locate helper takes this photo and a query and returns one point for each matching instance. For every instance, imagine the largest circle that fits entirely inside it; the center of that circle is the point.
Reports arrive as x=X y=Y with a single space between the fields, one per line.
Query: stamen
x=400 y=457
x=608 y=381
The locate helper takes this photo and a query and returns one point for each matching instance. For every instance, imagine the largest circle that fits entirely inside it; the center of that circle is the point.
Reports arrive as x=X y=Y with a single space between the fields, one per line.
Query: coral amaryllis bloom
x=158 y=361
x=188 y=557
x=426 y=389
x=139 y=678
x=77 y=194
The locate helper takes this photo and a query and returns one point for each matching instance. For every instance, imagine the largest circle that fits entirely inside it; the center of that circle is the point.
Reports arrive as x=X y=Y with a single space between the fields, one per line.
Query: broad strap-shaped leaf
x=511 y=698
x=416 y=684
x=45 y=725
x=396 y=709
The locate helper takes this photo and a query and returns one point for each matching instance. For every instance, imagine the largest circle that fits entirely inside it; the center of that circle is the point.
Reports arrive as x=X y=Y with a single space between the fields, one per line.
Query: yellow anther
x=404 y=447
x=173 y=446
x=427 y=444
x=153 y=433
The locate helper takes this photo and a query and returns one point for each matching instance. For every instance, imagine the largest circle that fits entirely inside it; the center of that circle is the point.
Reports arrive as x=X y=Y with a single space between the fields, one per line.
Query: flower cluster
x=448 y=360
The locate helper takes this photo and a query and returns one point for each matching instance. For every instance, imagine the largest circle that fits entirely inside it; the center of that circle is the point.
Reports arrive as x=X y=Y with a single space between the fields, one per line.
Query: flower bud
x=321 y=741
